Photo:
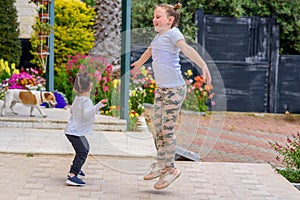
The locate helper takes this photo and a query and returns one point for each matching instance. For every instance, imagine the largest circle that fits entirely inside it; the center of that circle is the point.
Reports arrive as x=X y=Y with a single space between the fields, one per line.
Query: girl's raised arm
x=193 y=55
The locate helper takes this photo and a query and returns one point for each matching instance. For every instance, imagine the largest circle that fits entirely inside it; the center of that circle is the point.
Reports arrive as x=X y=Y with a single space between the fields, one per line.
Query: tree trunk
x=108 y=30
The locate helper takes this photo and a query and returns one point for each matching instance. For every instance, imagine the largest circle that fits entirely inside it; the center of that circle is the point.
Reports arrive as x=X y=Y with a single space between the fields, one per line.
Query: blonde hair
x=172 y=11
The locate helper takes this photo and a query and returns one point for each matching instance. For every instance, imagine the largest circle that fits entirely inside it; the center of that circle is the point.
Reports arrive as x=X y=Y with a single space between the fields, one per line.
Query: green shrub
x=292 y=175
x=90 y=2
x=142 y=15
x=74 y=32
x=10 y=45
x=289 y=155
x=290 y=151
x=287 y=12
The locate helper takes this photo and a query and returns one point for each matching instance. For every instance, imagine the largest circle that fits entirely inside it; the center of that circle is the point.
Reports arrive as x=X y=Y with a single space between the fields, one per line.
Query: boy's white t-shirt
x=82 y=116
x=165 y=56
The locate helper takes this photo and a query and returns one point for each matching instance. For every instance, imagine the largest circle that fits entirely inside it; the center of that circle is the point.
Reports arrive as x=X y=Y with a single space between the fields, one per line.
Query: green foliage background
x=286 y=11
x=73 y=33
x=10 y=45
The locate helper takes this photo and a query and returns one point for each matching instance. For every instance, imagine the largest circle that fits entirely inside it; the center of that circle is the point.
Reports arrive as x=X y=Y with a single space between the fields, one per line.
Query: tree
x=108 y=30
x=287 y=13
x=10 y=45
x=90 y=2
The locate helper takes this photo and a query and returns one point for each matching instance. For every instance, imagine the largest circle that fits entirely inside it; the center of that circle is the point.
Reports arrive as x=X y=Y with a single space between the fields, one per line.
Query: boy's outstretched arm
x=138 y=64
x=193 y=55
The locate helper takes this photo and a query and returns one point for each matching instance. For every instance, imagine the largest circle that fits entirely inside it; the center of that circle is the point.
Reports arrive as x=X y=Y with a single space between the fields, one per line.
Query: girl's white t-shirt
x=165 y=56
x=82 y=116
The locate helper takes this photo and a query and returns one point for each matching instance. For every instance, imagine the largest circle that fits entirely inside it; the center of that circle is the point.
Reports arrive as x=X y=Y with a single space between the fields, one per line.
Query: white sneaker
x=153 y=172
x=166 y=178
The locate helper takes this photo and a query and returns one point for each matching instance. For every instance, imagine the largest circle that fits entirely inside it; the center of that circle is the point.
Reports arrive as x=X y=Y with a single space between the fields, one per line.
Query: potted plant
x=42 y=51
x=43 y=14
x=289 y=155
x=43 y=2
x=42 y=28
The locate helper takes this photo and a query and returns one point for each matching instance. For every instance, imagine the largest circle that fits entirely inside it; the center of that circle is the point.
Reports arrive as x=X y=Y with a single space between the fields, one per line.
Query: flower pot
x=42 y=51
x=43 y=37
x=44 y=17
x=44 y=2
x=42 y=55
x=42 y=48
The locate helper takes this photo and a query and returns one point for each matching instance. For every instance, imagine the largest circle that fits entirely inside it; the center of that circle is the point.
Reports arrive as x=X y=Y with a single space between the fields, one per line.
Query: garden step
x=112 y=124
x=56 y=119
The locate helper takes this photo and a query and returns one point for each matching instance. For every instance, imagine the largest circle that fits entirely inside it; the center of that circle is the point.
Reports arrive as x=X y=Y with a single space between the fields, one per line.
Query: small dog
x=27 y=98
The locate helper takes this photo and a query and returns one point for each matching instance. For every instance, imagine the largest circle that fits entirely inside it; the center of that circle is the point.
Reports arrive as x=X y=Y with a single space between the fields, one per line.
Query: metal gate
x=245 y=51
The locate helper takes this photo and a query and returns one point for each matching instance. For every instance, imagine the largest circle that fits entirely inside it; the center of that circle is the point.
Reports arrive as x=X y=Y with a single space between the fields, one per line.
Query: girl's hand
x=207 y=75
x=104 y=101
x=136 y=68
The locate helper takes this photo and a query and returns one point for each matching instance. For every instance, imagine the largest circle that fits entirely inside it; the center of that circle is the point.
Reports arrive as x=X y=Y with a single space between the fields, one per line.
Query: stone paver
x=118 y=161
x=56 y=119
x=43 y=141
x=43 y=177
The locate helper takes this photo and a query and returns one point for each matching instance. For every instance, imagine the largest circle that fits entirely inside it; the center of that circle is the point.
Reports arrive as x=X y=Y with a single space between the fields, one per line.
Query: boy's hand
x=104 y=101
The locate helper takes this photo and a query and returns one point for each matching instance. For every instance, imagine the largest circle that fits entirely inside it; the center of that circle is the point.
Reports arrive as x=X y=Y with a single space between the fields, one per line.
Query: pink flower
x=98 y=75
x=213 y=103
x=104 y=80
x=105 y=88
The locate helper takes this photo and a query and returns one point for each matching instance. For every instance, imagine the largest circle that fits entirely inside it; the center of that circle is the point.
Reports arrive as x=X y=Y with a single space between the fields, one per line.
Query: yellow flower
x=7 y=69
x=131 y=115
x=112 y=107
x=144 y=72
x=1 y=65
x=116 y=83
x=136 y=114
x=133 y=93
x=189 y=72
x=13 y=69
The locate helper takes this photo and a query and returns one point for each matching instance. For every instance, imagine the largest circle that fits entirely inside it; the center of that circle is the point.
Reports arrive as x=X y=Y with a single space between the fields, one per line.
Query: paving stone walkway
x=115 y=178
x=34 y=161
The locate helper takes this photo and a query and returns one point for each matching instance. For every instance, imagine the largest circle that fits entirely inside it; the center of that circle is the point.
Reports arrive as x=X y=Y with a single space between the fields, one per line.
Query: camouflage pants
x=167 y=104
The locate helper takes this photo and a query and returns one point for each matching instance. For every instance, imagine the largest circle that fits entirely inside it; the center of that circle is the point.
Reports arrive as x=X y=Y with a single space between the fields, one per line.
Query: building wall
x=26 y=17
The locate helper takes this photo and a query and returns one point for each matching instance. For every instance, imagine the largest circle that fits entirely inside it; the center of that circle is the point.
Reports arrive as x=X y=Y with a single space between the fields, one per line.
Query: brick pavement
x=109 y=178
x=245 y=137
x=234 y=137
